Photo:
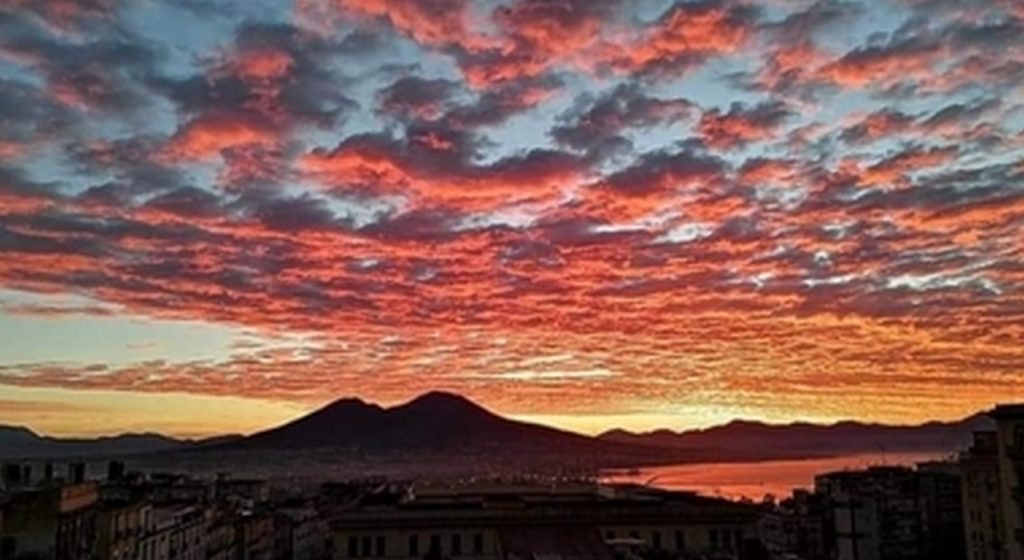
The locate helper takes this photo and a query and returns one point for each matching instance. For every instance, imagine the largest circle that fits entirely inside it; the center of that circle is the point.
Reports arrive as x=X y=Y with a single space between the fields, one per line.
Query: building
x=300 y=533
x=253 y=490
x=940 y=502
x=254 y=535
x=579 y=521
x=120 y=527
x=1010 y=460
x=795 y=528
x=874 y=513
x=982 y=509
x=174 y=533
x=55 y=521
x=158 y=488
x=220 y=535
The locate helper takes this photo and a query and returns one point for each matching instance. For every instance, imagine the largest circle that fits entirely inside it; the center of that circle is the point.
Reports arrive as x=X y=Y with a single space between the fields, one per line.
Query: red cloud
x=893 y=170
x=208 y=135
x=63 y=14
x=434 y=23
x=789 y=65
x=741 y=125
x=11 y=150
x=880 y=124
x=531 y=37
x=882 y=66
x=682 y=37
x=266 y=63
x=430 y=170
x=766 y=171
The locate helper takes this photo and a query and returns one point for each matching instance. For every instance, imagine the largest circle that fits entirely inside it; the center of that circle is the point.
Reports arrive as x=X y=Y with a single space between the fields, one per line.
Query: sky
x=215 y=216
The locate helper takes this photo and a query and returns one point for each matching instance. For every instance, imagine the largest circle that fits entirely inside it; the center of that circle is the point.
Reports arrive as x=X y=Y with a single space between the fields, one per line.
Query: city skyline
x=591 y=214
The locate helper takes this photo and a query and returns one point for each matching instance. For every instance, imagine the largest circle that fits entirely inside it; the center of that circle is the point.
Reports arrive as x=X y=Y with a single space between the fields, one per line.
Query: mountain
x=434 y=422
x=444 y=427
x=802 y=440
x=22 y=443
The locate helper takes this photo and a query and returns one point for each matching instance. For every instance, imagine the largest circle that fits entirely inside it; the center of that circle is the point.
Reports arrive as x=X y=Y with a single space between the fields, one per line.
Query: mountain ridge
x=21 y=442
x=807 y=439
x=432 y=419
x=445 y=422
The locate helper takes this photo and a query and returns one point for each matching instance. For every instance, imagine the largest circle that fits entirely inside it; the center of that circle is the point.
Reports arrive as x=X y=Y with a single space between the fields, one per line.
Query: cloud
x=741 y=125
x=416 y=97
x=597 y=124
x=437 y=166
x=806 y=206
x=684 y=37
x=210 y=134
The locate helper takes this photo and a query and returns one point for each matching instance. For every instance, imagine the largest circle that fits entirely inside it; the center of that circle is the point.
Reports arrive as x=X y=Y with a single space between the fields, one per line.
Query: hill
x=801 y=440
x=18 y=442
x=433 y=422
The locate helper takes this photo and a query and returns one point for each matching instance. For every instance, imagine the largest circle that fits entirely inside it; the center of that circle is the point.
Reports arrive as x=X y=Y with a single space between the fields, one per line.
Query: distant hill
x=442 y=428
x=435 y=422
x=801 y=440
x=17 y=442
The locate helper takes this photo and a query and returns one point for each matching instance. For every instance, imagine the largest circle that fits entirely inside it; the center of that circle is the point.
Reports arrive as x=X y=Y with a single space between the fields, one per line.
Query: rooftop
x=1008 y=412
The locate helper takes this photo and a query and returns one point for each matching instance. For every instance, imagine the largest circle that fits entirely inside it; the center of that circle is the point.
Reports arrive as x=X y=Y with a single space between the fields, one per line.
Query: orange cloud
x=206 y=136
x=684 y=33
x=431 y=172
x=741 y=125
x=880 y=67
x=262 y=63
x=430 y=22
x=893 y=170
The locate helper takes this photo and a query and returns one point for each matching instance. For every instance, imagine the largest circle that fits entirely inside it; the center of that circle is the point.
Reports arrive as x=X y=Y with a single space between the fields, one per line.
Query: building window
x=727 y=539
x=456 y=544
x=478 y=544
x=656 y=540
x=414 y=545
x=435 y=544
x=713 y=538
x=381 y=545
x=680 y=540
x=739 y=538
x=367 y=546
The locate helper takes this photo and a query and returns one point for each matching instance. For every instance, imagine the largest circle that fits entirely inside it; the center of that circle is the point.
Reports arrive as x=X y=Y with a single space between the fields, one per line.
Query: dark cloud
x=597 y=124
x=428 y=225
x=107 y=72
x=418 y=98
x=742 y=124
x=496 y=105
x=661 y=170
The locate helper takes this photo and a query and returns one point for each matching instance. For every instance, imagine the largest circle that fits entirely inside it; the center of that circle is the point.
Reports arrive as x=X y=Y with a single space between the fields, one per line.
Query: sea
x=755 y=480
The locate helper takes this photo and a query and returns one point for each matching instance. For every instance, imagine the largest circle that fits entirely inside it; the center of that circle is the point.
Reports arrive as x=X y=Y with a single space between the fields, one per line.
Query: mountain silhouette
x=20 y=442
x=446 y=424
x=434 y=421
x=801 y=439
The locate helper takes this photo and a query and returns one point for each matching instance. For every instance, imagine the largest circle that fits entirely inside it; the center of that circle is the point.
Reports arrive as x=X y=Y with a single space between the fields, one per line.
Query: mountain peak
x=441 y=402
x=441 y=397
x=21 y=430
x=349 y=402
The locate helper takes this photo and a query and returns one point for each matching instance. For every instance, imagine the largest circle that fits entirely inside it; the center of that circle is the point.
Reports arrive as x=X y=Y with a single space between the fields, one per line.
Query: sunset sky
x=215 y=216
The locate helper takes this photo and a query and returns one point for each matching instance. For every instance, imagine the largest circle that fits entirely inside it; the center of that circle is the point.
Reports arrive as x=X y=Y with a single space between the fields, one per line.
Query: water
x=755 y=480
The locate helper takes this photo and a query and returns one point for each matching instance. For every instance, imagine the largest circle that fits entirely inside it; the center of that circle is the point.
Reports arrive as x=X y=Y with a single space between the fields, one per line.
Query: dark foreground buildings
x=971 y=508
x=175 y=517
x=558 y=522
x=968 y=509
